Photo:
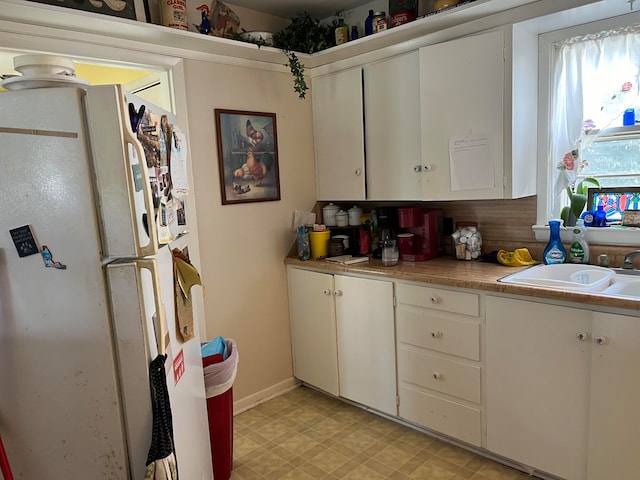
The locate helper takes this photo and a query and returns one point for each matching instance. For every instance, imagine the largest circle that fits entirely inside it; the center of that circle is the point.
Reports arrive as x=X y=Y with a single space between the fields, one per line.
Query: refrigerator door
x=123 y=188
x=60 y=411
x=141 y=333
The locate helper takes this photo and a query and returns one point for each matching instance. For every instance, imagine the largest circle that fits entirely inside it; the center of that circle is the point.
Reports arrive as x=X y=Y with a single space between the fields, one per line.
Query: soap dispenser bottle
x=579 y=251
x=554 y=252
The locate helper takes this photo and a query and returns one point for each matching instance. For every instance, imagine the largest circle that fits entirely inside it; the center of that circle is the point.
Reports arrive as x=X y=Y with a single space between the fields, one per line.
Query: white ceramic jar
x=342 y=218
x=329 y=214
x=354 y=215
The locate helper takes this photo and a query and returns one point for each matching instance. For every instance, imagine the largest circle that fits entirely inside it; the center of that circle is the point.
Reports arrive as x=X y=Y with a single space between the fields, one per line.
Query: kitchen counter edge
x=446 y=271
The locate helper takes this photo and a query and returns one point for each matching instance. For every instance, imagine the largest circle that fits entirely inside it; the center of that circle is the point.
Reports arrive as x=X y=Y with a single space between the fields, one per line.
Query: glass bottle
x=554 y=252
x=368 y=24
x=342 y=32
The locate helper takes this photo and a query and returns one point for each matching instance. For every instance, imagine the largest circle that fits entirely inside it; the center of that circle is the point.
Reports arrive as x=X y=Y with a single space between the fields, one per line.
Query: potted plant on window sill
x=577 y=200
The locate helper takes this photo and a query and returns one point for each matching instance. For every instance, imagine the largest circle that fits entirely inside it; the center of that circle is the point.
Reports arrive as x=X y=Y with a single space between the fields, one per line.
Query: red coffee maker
x=426 y=227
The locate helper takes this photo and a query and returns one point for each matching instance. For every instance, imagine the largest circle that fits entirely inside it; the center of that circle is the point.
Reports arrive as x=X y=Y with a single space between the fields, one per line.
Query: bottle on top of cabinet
x=342 y=32
x=379 y=22
x=368 y=24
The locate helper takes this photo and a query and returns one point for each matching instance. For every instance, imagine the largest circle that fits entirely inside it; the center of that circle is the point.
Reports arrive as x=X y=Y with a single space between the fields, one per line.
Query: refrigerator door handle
x=160 y=334
x=130 y=137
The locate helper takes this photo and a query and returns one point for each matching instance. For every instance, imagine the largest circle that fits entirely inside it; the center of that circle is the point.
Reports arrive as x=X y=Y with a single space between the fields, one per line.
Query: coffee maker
x=426 y=227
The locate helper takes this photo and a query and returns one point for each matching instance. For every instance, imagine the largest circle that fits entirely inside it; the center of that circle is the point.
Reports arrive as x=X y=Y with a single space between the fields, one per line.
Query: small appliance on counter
x=426 y=227
x=385 y=224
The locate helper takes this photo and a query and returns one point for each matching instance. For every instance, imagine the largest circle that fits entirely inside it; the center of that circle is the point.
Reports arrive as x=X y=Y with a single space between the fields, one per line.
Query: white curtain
x=595 y=78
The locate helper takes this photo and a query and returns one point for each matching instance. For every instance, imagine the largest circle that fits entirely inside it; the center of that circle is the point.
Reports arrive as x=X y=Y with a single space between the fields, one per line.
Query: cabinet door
x=392 y=128
x=614 y=420
x=462 y=108
x=313 y=329
x=339 y=135
x=366 y=342
x=538 y=385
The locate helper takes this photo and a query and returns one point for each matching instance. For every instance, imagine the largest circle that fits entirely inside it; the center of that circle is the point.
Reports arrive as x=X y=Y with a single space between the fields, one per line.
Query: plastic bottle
x=554 y=252
x=579 y=250
x=368 y=24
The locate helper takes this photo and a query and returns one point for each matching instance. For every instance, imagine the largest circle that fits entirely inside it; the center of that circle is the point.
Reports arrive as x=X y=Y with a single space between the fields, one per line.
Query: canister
x=467 y=241
x=319 y=244
x=354 y=215
x=329 y=214
x=342 y=218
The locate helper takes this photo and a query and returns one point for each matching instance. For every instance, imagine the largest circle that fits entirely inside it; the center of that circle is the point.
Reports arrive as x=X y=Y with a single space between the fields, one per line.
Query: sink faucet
x=628 y=259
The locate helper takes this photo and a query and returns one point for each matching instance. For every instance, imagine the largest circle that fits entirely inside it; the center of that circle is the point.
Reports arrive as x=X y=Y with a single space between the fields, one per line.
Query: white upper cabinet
x=471 y=149
x=339 y=136
x=392 y=128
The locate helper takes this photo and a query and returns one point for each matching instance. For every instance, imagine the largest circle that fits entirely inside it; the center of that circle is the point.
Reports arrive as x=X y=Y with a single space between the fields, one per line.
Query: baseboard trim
x=264 y=395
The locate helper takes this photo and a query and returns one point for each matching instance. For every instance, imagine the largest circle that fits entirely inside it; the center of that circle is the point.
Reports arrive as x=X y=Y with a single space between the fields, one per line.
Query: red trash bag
x=219 y=376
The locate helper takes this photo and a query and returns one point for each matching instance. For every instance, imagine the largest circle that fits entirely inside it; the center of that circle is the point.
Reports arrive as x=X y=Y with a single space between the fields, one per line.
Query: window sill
x=622 y=236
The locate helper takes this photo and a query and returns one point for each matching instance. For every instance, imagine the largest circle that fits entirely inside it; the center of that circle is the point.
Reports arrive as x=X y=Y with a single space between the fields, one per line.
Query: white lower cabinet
x=313 y=329
x=366 y=342
x=343 y=336
x=614 y=417
x=537 y=382
x=561 y=389
x=438 y=354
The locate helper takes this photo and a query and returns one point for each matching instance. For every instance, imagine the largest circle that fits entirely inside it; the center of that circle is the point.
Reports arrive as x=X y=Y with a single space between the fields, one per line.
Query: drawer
x=425 y=328
x=444 y=416
x=439 y=299
x=440 y=374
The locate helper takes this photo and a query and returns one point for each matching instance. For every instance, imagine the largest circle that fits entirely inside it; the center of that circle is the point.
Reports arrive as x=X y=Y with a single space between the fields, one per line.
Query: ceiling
x=319 y=9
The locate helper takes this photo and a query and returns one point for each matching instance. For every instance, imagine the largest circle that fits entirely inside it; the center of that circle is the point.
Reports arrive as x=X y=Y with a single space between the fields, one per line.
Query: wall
x=243 y=245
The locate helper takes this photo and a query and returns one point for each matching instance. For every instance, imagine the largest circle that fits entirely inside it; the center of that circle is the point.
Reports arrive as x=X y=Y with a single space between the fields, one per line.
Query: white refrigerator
x=89 y=220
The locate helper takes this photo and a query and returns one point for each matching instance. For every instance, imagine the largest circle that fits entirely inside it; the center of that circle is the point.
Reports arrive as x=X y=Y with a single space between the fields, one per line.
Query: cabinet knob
x=436 y=375
x=435 y=299
x=417 y=168
x=337 y=293
x=600 y=340
x=326 y=291
x=436 y=334
x=427 y=168
x=582 y=336
x=358 y=172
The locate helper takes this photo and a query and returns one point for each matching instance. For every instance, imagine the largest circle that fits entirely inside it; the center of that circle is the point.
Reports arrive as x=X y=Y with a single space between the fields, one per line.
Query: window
x=593 y=90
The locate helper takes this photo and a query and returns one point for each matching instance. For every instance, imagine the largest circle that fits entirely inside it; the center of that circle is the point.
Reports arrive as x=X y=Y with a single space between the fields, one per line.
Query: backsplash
x=504 y=224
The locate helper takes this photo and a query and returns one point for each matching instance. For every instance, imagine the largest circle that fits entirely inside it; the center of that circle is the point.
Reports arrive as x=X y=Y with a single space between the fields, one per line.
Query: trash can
x=219 y=375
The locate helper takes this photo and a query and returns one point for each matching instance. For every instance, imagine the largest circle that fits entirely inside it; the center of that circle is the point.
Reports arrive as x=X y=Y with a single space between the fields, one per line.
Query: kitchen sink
x=564 y=276
x=624 y=286
x=618 y=282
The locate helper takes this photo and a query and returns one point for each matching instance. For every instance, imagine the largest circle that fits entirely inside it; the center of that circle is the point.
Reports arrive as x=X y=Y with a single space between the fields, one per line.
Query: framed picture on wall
x=130 y=9
x=247 y=156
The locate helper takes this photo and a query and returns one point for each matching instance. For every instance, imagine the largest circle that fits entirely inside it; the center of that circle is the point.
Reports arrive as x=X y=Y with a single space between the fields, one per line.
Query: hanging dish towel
x=161 y=460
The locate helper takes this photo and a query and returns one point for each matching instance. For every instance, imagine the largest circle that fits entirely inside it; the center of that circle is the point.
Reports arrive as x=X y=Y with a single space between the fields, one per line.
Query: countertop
x=447 y=271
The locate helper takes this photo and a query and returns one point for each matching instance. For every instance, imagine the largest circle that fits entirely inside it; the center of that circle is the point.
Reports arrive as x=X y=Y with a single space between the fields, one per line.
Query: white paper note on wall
x=471 y=164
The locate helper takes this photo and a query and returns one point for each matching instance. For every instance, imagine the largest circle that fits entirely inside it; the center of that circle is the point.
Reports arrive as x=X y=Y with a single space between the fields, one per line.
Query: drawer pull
x=436 y=334
x=601 y=340
x=435 y=299
x=436 y=375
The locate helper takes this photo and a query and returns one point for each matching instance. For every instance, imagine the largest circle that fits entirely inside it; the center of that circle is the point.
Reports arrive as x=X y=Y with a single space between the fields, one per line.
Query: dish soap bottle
x=554 y=252
x=579 y=251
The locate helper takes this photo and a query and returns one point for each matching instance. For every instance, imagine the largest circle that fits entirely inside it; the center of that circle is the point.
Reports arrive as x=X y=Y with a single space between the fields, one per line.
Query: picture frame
x=247 y=145
x=616 y=200
x=129 y=9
